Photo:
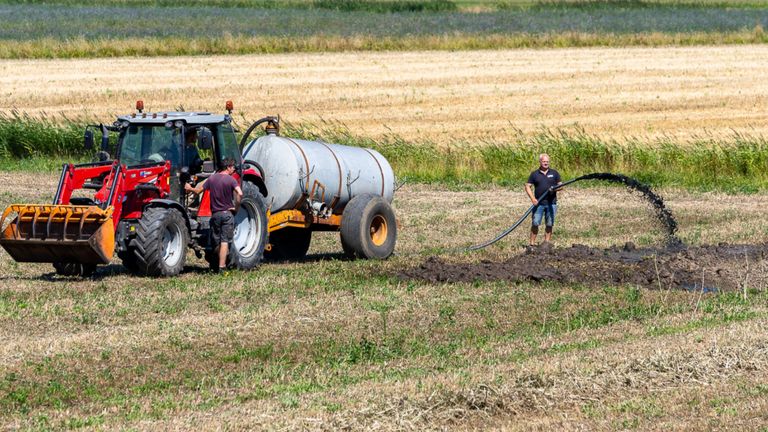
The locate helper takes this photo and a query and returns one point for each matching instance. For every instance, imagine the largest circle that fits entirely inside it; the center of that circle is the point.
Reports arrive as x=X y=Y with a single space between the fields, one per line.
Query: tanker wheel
x=289 y=244
x=160 y=246
x=74 y=269
x=250 y=238
x=368 y=228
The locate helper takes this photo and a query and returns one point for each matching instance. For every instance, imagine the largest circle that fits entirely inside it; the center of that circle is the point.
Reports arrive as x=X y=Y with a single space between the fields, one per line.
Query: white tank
x=295 y=167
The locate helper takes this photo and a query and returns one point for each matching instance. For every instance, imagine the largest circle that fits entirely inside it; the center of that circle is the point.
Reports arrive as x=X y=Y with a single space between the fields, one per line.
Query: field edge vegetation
x=87 y=28
x=394 y=6
x=731 y=164
x=227 y=44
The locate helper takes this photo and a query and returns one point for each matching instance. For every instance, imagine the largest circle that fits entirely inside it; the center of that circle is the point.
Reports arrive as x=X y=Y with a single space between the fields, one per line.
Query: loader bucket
x=58 y=233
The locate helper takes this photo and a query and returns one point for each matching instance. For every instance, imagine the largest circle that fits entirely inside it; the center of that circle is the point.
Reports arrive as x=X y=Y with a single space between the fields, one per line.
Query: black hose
x=510 y=229
x=250 y=129
x=528 y=212
x=255 y=165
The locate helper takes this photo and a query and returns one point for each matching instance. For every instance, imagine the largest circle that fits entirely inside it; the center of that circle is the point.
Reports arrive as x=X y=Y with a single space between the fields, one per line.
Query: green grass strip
x=24 y=137
x=735 y=164
x=393 y=6
x=49 y=48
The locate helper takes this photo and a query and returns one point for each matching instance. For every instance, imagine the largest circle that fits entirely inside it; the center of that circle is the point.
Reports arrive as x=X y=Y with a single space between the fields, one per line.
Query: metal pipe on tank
x=337 y=197
x=306 y=164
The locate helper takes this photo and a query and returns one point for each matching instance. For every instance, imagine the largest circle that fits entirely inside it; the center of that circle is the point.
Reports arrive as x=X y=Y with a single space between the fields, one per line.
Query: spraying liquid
x=674 y=266
x=662 y=212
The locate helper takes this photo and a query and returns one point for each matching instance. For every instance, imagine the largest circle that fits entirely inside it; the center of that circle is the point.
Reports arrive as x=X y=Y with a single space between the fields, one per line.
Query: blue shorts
x=546 y=211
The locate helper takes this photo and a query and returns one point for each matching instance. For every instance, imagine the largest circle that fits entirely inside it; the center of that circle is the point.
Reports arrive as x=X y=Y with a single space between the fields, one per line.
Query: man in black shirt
x=539 y=182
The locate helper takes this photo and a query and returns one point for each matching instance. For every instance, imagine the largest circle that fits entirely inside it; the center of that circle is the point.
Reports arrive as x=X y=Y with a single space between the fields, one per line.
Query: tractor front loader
x=75 y=236
x=76 y=233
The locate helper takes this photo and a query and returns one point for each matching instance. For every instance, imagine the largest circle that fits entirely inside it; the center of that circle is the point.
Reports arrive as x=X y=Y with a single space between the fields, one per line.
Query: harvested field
x=469 y=96
x=334 y=344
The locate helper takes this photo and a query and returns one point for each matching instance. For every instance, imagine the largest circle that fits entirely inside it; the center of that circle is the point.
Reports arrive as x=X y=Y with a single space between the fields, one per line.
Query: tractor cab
x=192 y=142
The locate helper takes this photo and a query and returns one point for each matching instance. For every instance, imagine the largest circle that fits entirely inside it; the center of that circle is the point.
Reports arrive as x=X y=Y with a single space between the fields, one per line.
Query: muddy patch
x=708 y=268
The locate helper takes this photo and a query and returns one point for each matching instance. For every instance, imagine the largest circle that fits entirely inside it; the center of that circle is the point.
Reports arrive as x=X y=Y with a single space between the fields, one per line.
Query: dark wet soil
x=715 y=268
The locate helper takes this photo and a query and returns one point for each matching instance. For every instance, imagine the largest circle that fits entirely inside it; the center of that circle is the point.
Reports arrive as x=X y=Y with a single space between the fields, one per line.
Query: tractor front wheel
x=160 y=245
x=129 y=260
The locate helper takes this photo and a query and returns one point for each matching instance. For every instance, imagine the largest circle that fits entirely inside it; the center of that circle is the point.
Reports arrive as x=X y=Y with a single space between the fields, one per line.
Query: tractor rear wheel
x=289 y=244
x=160 y=245
x=247 y=247
x=368 y=228
x=74 y=269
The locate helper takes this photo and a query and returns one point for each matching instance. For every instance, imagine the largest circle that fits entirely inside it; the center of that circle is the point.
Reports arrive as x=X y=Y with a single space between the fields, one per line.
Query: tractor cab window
x=206 y=155
x=227 y=141
x=144 y=144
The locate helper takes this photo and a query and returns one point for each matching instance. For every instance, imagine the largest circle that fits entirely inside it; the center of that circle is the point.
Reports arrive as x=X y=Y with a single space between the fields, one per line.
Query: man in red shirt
x=225 y=201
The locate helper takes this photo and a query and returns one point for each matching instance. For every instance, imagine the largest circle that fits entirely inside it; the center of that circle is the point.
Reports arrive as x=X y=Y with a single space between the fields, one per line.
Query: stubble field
x=471 y=97
x=334 y=344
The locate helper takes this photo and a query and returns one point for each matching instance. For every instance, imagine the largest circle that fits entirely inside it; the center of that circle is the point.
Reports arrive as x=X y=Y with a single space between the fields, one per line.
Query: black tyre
x=368 y=228
x=160 y=246
x=247 y=247
x=74 y=269
x=129 y=260
x=289 y=244
x=348 y=251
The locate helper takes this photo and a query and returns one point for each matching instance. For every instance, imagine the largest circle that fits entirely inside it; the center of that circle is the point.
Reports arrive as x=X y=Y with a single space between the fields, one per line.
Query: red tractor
x=138 y=208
